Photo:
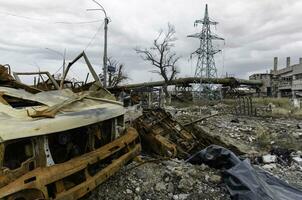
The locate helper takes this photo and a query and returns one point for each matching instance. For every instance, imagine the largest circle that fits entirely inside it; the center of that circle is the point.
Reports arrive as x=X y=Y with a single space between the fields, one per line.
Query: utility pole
x=105 y=67
x=205 y=67
x=105 y=58
x=64 y=61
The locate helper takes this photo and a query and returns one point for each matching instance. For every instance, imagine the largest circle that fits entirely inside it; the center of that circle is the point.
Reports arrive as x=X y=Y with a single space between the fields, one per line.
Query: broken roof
x=68 y=111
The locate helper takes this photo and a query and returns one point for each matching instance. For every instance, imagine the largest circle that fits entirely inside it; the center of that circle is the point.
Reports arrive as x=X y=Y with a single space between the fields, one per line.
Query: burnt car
x=60 y=144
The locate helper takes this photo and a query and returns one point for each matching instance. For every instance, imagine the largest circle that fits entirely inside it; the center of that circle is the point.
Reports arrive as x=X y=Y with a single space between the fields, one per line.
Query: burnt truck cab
x=60 y=144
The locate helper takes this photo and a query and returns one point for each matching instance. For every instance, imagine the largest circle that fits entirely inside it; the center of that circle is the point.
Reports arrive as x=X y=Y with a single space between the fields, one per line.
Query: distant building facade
x=266 y=78
x=284 y=82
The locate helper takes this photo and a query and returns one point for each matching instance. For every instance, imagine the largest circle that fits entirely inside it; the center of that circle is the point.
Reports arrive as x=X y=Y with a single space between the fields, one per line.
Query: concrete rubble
x=173 y=179
x=269 y=158
x=297 y=160
x=269 y=143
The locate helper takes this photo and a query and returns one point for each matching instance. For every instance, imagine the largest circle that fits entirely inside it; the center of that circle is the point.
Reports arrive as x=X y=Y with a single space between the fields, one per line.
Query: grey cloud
x=255 y=32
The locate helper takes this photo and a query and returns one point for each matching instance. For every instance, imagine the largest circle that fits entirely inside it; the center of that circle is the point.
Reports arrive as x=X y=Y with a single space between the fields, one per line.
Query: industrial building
x=283 y=82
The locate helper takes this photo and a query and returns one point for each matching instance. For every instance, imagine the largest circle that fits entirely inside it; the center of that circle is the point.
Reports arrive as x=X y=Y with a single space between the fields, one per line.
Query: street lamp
x=58 y=53
x=106 y=22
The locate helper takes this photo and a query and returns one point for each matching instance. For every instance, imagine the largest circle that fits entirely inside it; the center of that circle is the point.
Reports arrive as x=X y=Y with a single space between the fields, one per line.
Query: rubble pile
x=260 y=132
x=264 y=137
x=269 y=142
x=232 y=127
x=175 y=179
x=291 y=174
x=189 y=114
x=272 y=144
x=171 y=179
x=284 y=164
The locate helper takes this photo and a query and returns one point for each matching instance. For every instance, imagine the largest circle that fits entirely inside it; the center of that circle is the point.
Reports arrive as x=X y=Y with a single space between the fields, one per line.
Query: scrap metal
x=6 y=79
x=200 y=119
x=164 y=136
x=56 y=84
x=53 y=84
x=60 y=144
x=245 y=106
x=92 y=71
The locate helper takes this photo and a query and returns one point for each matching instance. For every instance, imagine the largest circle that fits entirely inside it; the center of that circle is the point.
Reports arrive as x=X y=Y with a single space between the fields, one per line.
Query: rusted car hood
x=73 y=111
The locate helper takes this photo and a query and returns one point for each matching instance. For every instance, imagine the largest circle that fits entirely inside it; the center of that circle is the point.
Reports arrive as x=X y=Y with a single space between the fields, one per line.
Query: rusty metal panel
x=76 y=177
x=162 y=135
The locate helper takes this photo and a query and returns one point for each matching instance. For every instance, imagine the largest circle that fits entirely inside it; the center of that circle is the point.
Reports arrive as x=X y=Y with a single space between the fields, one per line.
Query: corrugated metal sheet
x=75 y=110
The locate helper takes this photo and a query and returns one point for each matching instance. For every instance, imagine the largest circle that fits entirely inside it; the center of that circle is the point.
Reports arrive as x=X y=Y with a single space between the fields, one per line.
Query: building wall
x=265 y=89
x=286 y=81
x=297 y=84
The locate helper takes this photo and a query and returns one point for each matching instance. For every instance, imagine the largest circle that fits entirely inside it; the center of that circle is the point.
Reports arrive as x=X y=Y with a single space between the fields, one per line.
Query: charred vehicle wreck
x=59 y=144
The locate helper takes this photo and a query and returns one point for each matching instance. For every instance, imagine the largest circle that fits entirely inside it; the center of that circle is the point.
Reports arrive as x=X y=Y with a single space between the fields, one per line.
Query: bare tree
x=116 y=74
x=161 y=56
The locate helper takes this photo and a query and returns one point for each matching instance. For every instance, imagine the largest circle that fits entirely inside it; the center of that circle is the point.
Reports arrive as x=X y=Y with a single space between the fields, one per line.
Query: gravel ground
x=164 y=180
x=291 y=174
x=177 y=180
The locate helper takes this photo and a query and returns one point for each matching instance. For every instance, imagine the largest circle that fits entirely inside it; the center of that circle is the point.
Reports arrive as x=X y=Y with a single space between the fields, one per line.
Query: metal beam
x=93 y=73
x=54 y=82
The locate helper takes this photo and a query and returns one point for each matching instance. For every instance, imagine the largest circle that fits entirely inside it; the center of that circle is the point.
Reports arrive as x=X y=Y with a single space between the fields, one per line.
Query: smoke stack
x=275 y=64
x=287 y=61
x=300 y=60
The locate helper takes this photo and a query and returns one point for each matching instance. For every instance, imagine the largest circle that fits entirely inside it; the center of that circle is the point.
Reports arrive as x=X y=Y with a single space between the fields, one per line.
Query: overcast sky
x=254 y=31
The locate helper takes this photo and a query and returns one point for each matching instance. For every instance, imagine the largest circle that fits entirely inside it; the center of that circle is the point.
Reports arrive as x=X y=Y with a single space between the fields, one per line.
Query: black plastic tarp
x=243 y=181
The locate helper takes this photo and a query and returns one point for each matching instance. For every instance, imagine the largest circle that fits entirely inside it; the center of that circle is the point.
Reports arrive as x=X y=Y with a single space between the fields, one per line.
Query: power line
x=88 y=45
x=86 y=22
x=19 y=16
x=94 y=36
x=47 y=21
x=59 y=69
x=75 y=74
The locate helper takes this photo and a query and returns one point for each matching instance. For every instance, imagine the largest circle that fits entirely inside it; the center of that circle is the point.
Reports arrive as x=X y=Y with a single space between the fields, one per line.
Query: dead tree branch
x=161 y=56
x=118 y=75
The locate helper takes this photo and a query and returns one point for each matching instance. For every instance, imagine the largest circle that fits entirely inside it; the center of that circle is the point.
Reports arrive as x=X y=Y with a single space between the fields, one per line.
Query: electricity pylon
x=205 y=67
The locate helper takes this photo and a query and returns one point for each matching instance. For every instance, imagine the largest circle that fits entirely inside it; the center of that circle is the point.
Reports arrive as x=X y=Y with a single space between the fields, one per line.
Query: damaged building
x=281 y=82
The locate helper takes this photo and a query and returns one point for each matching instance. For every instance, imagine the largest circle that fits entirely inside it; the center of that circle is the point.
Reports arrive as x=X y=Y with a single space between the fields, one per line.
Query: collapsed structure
x=47 y=129
x=79 y=135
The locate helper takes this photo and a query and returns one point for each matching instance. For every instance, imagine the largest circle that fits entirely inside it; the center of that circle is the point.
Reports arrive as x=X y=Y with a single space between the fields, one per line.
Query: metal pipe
x=191 y=80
